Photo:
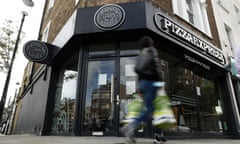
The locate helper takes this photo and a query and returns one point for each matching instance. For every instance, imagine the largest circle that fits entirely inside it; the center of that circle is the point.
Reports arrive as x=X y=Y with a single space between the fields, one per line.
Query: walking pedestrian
x=149 y=72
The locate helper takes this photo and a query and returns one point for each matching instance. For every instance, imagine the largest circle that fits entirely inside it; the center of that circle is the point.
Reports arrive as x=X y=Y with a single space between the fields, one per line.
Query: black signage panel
x=111 y=17
x=173 y=29
x=144 y=16
x=39 y=52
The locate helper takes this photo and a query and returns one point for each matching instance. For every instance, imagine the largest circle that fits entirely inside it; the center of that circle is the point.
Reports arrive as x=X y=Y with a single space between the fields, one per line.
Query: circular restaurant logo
x=109 y=17
x=35 y=51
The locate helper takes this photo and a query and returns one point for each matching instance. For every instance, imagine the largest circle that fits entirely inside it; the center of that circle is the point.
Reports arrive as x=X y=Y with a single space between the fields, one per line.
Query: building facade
x=229 y=30
x=85 y=85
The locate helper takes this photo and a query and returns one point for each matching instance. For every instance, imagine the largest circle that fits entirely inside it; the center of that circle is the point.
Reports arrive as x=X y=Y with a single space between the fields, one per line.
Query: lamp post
x=4 y=94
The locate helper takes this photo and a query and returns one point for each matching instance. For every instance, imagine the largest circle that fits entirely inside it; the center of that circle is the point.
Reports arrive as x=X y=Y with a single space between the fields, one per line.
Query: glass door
x=100 y=97
x=128 y=86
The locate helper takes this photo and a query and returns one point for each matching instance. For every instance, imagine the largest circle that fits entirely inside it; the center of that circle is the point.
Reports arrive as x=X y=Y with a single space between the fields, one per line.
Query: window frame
x=237 y=10
x=200 y=17
x=51 y=4
x=46 y=32
x=76 y=2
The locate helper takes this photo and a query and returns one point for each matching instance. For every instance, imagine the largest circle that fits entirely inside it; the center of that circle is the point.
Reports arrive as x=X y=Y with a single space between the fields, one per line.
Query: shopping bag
x=134 y=108
x=163 y=116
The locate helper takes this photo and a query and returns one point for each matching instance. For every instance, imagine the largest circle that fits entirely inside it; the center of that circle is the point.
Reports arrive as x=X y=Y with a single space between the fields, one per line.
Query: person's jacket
x=148 y=66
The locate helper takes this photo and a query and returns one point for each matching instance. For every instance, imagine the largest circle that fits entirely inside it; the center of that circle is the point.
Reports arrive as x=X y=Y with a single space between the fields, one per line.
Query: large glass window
x=210 y=105
x=196 y=103
x=65 y=98
x=128 y=83
x=181 y=91
x=195 y=100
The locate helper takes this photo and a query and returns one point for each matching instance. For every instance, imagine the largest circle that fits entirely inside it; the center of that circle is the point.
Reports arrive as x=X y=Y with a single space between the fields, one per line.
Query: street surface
x=32 y=139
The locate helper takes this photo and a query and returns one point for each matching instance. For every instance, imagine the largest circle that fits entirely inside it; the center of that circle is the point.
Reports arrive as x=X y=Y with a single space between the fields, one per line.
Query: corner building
x=85 y=88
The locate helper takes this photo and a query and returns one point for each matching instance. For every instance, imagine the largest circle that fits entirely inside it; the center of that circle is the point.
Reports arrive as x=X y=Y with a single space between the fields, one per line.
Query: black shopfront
x=92 y=76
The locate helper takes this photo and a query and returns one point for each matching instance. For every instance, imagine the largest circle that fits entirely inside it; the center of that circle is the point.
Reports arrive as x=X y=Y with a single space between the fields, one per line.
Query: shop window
x=194 y=12
x=102 y=49
x=65 y=98
x=196 y=103
x=128 y=83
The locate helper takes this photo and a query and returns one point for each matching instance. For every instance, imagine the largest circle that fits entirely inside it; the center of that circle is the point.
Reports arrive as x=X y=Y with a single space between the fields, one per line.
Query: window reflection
x=99 y=108
x=101 y=49
x=210 y=105
x=128 y=83
x=196 y=103
x=65 y=99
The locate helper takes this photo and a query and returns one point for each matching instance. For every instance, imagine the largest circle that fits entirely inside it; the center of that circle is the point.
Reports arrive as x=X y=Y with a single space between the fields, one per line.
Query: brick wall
x=58 y=15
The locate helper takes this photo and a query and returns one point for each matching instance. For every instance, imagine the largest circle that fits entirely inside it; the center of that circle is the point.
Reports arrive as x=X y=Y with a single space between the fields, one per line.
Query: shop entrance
x=109 y=82
x=101 y=97
x=110 y=85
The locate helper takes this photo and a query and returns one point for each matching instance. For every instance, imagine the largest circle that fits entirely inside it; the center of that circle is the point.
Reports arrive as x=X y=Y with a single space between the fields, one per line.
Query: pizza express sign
x=109 y=17
x=40 y=52
x=168 y=26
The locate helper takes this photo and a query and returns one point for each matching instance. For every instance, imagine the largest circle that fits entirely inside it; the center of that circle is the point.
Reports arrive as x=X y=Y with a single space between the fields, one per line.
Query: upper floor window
x=51 y=4
x=29 y=69
x=194 y=12
x=224 y=4
x=238 y=13
x=189 y=10
x=230 y=37
x=76 y=2
x=45 y=32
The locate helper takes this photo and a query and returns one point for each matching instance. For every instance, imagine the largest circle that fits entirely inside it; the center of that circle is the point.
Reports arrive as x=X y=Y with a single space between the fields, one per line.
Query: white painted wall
x=226 y=16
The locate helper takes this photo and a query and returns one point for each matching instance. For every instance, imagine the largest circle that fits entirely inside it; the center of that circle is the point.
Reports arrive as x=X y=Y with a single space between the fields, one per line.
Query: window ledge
x=223 y=5
x=194 y=26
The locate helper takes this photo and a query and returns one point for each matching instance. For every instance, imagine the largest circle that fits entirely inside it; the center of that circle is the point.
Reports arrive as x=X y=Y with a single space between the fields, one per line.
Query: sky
x=12 y=10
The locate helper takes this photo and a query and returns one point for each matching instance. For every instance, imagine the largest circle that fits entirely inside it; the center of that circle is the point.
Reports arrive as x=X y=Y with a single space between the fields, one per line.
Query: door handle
x=117 y=99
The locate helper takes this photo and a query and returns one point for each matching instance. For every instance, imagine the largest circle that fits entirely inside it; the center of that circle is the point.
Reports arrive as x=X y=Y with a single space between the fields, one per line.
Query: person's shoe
x=162 y=141
x=159 y=139
x=128 y=132
x=130 y=140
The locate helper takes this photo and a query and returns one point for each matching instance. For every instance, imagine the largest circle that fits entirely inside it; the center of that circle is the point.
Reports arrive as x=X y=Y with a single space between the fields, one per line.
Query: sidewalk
x=29 y=139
